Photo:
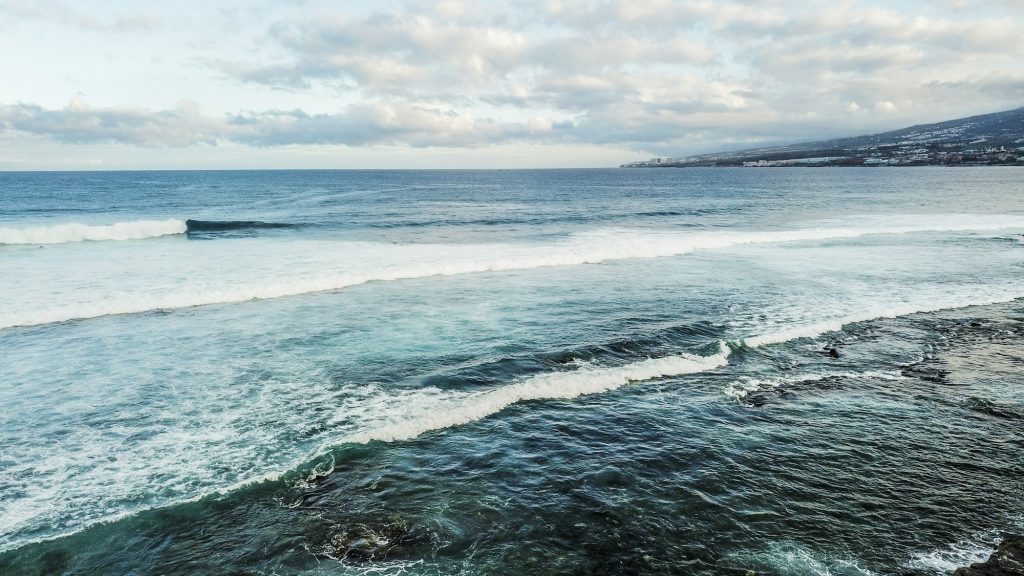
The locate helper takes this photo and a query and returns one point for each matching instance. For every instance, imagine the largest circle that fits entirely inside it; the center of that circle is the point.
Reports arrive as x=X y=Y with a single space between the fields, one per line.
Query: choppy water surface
x=493 y=372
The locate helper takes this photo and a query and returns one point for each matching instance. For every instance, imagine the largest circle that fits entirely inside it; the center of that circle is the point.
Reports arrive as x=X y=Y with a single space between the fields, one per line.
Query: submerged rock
x=762 y=397
x=989 y=408
x=759 y=398
x=1007 y=560
x=929 y=373
x=830 y=350
x=363 y=542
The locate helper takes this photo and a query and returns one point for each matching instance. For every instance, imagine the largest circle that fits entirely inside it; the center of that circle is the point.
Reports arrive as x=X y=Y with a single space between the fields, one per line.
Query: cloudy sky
x=309 y=84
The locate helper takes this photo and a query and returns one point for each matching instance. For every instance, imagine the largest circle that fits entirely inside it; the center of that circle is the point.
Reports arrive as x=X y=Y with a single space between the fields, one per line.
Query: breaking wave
x=587 y=379
x=961 y=553
x=77 y=232
x=133 y=230
x=814 y=329
x=411 y=261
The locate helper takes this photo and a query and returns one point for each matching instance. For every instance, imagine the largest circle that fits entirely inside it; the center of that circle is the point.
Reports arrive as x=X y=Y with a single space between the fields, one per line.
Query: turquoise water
x=493 y=372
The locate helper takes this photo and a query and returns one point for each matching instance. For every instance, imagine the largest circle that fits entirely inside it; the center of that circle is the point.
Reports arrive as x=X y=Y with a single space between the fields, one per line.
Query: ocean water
x=510 y=372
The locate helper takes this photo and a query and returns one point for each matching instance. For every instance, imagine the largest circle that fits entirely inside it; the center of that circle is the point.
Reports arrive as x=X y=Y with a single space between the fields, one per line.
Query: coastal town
x=988 y=140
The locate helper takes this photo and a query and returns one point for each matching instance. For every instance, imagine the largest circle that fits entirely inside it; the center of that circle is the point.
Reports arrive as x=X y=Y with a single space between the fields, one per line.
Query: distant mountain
x=988 y=139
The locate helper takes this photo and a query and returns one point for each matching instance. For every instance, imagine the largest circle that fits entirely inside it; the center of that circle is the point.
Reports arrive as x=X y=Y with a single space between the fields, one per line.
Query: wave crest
x=78 y=232
x=587 y=379
x=345 y=264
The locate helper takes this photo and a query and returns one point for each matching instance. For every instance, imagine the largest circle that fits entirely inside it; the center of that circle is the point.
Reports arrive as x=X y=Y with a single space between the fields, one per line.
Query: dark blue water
x=494 y=372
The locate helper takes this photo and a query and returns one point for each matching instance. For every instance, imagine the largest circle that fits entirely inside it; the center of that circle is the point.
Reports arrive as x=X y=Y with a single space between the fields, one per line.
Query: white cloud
x=654 y=75
x=364 y=124
x=65 y=14
x=79 y=123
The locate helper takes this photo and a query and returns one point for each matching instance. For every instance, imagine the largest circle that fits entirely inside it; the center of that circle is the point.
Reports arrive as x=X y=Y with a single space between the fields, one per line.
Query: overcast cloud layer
x=459 y=84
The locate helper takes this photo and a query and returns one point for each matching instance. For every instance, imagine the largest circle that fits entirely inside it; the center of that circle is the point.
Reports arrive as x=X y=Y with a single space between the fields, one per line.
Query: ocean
x=624 y=371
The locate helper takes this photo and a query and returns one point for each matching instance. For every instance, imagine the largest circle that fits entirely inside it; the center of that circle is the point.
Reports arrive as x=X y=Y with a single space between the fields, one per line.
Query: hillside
x=988 y=139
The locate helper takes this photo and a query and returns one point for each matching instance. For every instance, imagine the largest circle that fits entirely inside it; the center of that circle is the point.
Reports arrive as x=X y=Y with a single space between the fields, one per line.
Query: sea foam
x=955 y=555
x=587 y=379
x=77 y=232
x=342 y=264
x=937 y=303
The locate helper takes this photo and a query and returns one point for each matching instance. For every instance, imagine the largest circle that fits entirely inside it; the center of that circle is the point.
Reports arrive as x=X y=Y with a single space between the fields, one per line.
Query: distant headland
x=995 y=139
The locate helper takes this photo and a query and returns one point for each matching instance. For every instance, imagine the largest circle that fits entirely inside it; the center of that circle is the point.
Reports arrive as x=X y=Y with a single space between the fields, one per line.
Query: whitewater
x=298 y=268
x=79 y=232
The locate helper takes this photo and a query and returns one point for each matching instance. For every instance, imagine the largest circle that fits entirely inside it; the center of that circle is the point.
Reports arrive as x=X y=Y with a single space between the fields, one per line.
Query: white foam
x=814 y=329
x=740 y=388
x=793 y=558
x=587 y=379
x=274 y=272
x=76 y=232
x=962 y=553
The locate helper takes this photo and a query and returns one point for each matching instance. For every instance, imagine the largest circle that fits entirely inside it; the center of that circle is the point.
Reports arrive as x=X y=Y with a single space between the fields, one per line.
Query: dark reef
x=1007 y=560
